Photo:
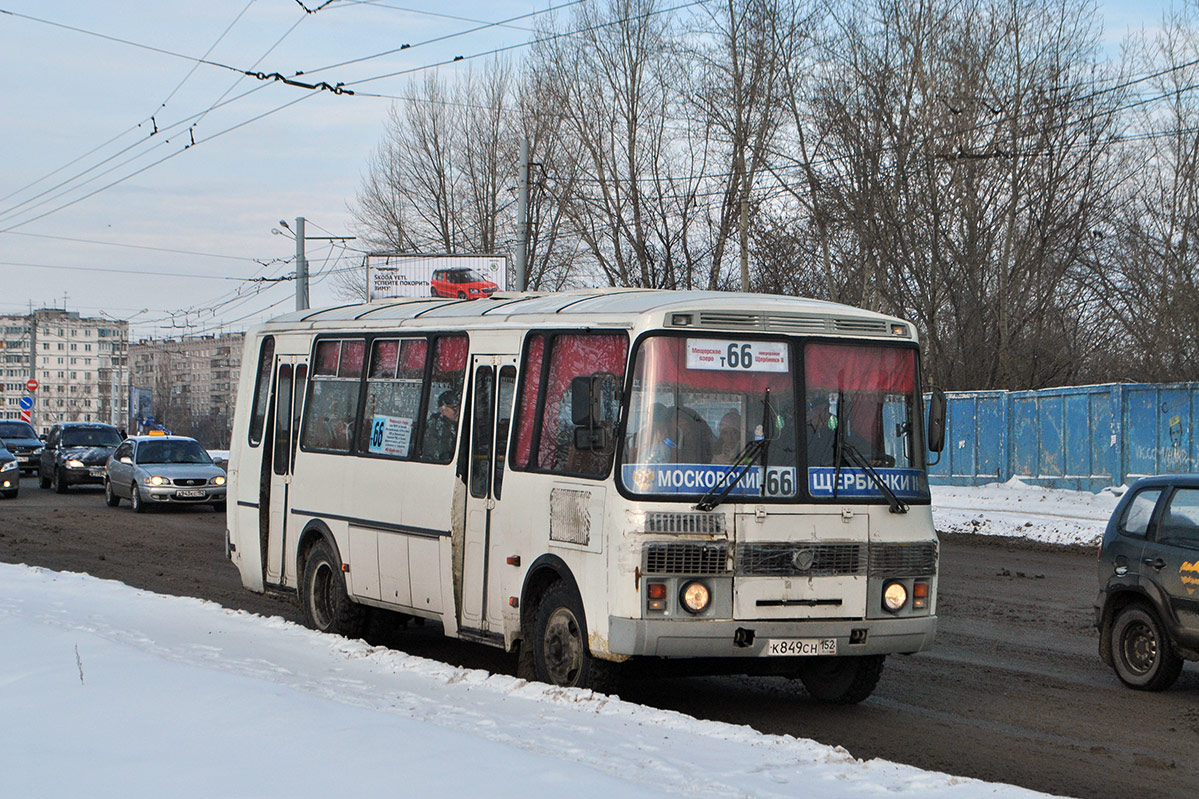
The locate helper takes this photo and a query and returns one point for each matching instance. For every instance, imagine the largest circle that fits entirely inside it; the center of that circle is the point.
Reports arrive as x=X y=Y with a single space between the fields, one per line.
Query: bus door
x=493 y=386
x=291 y=375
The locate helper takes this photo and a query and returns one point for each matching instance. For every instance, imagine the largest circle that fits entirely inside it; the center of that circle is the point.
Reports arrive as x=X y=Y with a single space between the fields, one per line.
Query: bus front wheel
x=327 y=606
x=560 y=652
x=842 y=680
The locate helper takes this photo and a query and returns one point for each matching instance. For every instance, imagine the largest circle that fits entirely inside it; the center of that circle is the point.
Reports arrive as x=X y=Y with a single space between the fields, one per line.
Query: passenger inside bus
x=440 y=429
x=729 y=443
x=822 y=436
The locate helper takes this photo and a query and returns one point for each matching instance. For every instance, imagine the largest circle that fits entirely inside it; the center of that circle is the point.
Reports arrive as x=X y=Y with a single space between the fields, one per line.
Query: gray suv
x=1147 y=610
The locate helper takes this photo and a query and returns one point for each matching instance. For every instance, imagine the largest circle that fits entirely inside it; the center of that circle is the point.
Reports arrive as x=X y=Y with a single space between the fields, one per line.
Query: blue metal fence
x=1083 y=437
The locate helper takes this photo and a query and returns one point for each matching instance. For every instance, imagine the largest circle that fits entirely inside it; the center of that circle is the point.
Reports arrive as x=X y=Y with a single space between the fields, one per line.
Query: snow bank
x=1015 y=508
x=110 y=691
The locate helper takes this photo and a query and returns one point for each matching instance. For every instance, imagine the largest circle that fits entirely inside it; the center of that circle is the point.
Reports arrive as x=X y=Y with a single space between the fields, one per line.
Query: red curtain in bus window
x=383 y=359
x=328 y=352
x=451 y=354
x=529 y=380
x=352 y=355
x=665 y=358
x=412 y=359
x=573 y=356
x=888 y=370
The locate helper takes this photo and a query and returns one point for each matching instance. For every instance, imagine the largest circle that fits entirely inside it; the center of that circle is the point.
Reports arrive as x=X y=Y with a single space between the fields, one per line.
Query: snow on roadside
x=112 y=691
x=1018 y=509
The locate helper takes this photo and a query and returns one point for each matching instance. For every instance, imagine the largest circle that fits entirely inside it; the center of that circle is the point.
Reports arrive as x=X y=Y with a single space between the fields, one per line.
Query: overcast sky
x=80 y=114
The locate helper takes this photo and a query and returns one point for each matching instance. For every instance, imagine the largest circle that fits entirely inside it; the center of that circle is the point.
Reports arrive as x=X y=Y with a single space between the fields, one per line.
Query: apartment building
x=81 y=367
x=192 y=382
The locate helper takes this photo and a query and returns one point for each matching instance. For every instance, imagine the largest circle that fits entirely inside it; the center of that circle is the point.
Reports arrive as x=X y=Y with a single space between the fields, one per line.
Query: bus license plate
x=190 y=494
x=800 y=646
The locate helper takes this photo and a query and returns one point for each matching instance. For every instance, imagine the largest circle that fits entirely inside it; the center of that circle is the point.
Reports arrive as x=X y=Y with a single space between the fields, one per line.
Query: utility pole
x=301 y=267
x=522 y=217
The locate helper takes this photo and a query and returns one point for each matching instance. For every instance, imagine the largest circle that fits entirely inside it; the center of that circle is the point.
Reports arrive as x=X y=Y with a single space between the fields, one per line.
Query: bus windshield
x=698 y=404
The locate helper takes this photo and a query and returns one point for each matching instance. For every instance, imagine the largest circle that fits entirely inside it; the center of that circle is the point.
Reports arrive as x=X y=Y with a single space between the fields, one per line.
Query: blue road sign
x=26 y=403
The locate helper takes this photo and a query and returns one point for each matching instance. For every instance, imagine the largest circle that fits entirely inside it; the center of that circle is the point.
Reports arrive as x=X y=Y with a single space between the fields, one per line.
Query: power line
x=134 y=246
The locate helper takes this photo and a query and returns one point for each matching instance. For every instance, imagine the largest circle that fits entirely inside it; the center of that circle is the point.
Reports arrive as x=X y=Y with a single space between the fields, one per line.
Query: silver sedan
x=162 y=470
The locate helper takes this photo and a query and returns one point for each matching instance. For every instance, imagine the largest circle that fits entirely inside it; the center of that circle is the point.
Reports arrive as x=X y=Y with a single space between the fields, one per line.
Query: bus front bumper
x=723 y=638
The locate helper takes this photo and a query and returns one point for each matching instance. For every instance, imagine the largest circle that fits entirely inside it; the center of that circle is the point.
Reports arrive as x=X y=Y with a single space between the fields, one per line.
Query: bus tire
x=327 y=607
x=842 y=680
x=560 y=653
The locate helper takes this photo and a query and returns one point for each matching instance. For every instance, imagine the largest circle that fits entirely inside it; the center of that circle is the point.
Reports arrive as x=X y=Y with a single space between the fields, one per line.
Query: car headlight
x=156 y=480
x=219 y=480
x=74 y=463
x=895 y=596
x=9 y=466
x=695 y=597
x=39 y=450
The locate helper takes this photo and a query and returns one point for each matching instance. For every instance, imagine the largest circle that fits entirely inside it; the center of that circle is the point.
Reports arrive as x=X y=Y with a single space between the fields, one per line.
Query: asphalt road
x=1012 y=692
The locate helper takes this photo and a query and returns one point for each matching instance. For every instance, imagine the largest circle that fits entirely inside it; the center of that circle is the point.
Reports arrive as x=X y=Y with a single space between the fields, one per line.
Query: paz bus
x=697 y=481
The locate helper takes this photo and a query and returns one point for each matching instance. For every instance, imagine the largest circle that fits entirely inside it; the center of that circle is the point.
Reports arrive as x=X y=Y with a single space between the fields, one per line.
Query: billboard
x=466 y=277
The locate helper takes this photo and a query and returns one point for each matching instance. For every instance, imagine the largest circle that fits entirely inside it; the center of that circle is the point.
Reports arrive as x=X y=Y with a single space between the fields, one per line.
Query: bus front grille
x=684 y=523
x=687 y=558
x=800 y=559
x=903 y=560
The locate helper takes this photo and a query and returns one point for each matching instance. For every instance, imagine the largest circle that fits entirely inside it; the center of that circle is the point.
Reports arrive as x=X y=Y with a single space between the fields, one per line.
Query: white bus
x=700 y=481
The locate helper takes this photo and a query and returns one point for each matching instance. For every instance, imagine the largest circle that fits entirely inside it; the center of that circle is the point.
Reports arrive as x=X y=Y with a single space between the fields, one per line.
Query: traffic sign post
x=31 y=384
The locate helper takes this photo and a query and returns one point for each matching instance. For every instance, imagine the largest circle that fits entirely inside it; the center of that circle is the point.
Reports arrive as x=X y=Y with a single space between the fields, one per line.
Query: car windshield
x=172 y=452
x=16 y=430
x=464 y=276
x=90 y=437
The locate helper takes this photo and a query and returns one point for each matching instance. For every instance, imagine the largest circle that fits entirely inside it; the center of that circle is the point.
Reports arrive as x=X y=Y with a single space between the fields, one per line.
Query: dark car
x=21 y=440
x=1147 y=610
x=10 y=474
x=461 y=282
x=76 y=454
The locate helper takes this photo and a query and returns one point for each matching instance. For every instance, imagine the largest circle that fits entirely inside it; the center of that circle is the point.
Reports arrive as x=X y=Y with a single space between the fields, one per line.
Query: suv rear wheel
x=1141 y=651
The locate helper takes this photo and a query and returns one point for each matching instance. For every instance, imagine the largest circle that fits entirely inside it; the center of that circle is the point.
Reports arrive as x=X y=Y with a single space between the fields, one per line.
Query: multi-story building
x=192 y=382
x=81 y=366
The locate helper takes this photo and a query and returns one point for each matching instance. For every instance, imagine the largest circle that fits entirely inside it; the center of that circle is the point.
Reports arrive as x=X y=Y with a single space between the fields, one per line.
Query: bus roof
x=629 y=307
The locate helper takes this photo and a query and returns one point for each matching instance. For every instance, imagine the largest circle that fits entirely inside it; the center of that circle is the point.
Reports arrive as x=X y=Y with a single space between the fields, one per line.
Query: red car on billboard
x=461 y=282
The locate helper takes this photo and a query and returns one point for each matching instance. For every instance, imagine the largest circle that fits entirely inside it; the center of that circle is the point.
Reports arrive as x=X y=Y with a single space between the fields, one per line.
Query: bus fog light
x=695 y=597
x=895 y=596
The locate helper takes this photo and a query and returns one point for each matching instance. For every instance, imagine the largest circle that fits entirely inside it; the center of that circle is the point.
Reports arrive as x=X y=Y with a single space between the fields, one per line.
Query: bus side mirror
x=584 y=401
x=936 y=421
x=587 y=412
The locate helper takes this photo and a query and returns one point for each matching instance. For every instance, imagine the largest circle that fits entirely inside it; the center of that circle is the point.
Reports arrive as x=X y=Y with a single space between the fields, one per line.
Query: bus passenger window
x=330 y=412
x=443 y=398
x=573 y=355
x=393 y=394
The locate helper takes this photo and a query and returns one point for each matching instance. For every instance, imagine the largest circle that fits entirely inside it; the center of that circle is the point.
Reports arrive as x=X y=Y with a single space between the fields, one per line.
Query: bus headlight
x=895 y=596
x=695 y=597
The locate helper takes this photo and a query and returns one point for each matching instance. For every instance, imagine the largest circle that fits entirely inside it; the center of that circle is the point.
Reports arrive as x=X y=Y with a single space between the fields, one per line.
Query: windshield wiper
x=749 y=454
x=842 y=447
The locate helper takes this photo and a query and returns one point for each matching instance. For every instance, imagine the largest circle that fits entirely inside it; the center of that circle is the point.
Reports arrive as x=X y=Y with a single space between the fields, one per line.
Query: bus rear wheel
x=327 y=606
x=842 y=680
x=560 y=653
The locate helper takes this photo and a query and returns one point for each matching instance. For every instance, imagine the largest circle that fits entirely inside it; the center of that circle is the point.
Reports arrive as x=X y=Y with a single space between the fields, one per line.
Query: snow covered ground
x=106 y=690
